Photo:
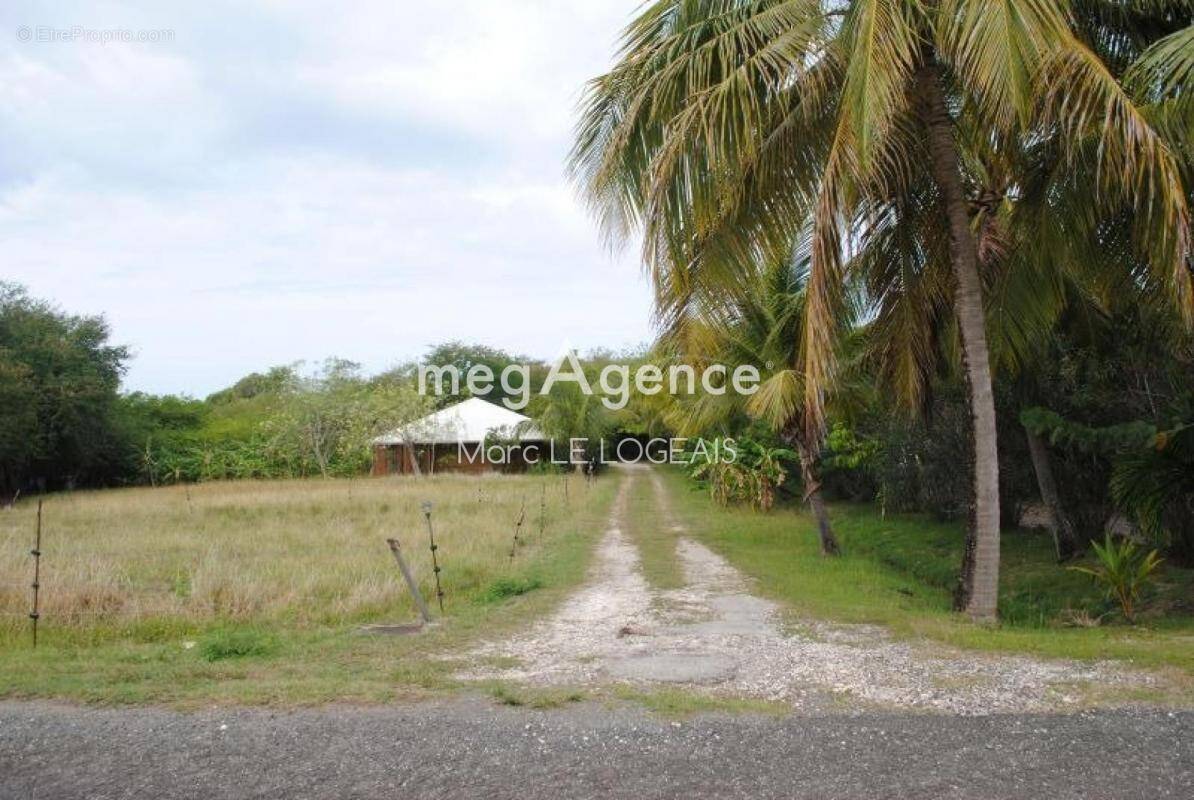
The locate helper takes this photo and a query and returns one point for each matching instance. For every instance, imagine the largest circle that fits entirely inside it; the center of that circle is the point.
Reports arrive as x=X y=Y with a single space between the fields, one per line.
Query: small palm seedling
x=1123 y=571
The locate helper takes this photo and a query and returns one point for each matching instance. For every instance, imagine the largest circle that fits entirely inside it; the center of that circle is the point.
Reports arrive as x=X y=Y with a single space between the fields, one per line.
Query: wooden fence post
x=396 y=549
x=36 y=552
x=522 y=515
x=439 y=591
x=543 y=509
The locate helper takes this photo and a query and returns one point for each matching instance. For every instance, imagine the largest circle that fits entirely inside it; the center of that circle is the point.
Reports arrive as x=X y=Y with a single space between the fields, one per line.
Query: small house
x=454 y=439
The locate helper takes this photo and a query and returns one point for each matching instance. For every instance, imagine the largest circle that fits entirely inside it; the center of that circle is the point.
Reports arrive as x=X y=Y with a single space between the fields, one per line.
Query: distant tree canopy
x=59 y=378
x=464 y=356
x=285 y=422
x=274 y=381
x=65 y=423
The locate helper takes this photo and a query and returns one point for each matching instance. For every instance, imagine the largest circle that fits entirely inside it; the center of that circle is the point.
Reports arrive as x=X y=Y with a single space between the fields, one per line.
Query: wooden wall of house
x=380 y=460
x=392 y=459
x=396 y=459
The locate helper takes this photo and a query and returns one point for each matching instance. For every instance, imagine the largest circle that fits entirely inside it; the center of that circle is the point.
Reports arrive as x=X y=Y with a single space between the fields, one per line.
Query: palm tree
x=726 y=124
x=759 y=325
x=568 y=414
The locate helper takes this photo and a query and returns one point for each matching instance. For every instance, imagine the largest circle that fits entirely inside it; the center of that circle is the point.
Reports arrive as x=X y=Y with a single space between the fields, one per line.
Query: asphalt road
x=472 y=748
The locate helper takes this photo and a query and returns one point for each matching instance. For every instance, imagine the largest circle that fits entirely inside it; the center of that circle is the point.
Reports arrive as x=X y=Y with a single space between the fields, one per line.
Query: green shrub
x=1155 y=482
x=236 y=643
x=504 y=588
x=752 y=477
x=1123 y=571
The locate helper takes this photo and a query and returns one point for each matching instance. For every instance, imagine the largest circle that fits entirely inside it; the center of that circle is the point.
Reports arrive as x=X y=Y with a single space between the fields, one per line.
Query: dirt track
x=715 y=636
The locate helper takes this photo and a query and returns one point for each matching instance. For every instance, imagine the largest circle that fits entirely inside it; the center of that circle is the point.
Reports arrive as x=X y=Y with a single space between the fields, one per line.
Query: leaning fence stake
x=396 y=549
x=522 y=515
x=439 y=592
x=36 y=552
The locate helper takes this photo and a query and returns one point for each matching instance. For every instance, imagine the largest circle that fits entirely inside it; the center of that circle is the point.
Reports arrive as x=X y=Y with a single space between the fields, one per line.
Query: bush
x=1123 y=571
x=504 y=588
x=918 y=463
x=1156 y=484
x=236 y=643
x=751 y=478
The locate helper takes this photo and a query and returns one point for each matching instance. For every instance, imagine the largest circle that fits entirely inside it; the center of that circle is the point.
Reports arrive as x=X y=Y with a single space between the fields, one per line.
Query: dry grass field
x=278 y=572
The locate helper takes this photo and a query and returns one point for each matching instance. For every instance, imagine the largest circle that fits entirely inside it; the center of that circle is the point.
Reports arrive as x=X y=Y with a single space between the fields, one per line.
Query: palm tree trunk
x=983 y=593
x=1065 y=543
x=812 y=493
x=965 y=583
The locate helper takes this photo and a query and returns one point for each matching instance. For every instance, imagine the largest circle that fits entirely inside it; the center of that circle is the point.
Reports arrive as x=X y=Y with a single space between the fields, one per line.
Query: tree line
x=64 y=422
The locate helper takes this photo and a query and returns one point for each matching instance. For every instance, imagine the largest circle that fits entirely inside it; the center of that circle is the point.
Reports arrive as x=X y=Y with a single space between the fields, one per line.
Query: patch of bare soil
x=715 y=636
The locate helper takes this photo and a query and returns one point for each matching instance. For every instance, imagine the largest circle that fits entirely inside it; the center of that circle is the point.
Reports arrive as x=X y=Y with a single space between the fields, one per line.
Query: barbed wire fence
x=34 y=615
x=34 y=586
x=54 y=599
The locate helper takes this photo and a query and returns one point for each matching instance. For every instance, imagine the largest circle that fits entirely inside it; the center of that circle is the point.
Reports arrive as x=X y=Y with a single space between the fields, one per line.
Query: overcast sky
x=280 y=182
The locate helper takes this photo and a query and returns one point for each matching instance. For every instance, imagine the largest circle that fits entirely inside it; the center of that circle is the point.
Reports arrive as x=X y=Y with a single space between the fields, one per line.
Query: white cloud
x=303 y=186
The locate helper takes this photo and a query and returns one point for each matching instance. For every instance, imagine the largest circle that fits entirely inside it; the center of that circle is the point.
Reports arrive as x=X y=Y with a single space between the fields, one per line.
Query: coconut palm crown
x=758 y=324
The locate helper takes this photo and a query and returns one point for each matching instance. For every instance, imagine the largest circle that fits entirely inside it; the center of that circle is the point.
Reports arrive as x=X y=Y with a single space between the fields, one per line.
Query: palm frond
x=996 y=49
x=1133 y=164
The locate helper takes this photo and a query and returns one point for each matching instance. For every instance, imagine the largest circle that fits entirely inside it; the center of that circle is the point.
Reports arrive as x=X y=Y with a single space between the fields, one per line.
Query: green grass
x=313 y=554
x=651 y=531
x=538 y=699
x=505 y=588
x=899 y=572
x=679 y=703
x=236 y=643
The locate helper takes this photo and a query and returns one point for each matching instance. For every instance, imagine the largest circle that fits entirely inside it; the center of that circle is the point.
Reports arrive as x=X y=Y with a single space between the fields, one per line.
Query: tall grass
x=899 y=571
x=300 y=552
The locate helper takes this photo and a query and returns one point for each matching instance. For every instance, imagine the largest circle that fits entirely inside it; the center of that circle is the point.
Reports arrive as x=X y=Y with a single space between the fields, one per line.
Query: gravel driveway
x=472 y=748
x=714 y=636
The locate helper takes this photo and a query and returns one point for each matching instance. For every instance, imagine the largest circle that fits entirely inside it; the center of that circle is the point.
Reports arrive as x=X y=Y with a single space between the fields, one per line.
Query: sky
x=266 y=181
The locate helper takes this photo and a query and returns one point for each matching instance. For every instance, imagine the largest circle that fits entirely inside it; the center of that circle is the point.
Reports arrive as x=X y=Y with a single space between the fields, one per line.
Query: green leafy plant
x=1155 y=483
x=236 y=643
x=767 y=472
x=504 y=588
x=1123 y=571
x=726 y=480
x=751 y=478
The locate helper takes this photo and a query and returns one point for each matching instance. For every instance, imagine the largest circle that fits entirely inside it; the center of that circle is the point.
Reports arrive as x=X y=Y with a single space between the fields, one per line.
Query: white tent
x=468 y=421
